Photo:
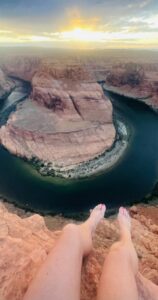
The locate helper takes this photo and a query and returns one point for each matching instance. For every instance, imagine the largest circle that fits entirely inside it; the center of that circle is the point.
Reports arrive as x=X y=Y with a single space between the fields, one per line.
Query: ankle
x=81 y=237
x=125 y=234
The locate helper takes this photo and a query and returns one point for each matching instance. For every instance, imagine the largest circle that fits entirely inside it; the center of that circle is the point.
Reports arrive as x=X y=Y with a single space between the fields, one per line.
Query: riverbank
x=76 y=126
x=119 y=182
x=16 y=95
x=19 y=138
x=103 y=162
x=131 y=93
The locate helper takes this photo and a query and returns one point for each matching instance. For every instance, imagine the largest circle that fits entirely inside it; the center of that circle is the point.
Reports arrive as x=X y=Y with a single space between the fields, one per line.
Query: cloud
x=5 y=31
x=51 y=21
x=150 y=23
x=140 y=4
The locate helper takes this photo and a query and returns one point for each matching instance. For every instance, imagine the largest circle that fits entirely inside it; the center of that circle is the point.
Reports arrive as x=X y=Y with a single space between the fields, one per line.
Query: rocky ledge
x=26 y=241
x=66 y=122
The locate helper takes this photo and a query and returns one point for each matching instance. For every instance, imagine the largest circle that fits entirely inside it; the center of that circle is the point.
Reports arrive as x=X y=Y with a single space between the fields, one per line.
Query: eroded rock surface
x=135 y=80
x=26 y=241
x=6 y=85
x=22 y=67
x=67 y=120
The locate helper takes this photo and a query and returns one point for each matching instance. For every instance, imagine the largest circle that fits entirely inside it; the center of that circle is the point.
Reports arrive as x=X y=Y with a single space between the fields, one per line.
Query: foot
x=124 y=221
x=85 y=231
x=88 y=227
x=96 y=215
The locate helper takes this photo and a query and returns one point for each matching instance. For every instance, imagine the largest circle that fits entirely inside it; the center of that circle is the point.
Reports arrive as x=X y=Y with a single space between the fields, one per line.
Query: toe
x=103 y=206
x=98 y=207
x=124 y=212
x=98 y=211
x=121 y=210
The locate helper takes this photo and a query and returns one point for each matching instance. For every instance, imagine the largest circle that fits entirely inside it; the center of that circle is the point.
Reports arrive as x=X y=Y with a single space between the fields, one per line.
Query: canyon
x=66 y=123
x=66 y=120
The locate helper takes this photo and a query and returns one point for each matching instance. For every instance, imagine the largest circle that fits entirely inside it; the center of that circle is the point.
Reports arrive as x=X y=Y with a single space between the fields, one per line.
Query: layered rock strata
x=21 y=67
x=136 y=81
x=66 y=122
x=6 y=85
x=26 y=242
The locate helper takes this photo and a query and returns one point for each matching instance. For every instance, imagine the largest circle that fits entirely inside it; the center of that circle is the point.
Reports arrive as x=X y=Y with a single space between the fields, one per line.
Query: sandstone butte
x=136 y=81
x=66 y=120
x=26 y=241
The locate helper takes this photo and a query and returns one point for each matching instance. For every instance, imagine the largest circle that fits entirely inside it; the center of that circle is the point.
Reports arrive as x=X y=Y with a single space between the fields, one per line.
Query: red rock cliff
x=26 y=241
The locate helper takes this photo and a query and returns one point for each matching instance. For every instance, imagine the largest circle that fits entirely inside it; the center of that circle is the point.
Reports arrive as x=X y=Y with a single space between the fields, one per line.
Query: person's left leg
x=60 y=276
x=117 y=281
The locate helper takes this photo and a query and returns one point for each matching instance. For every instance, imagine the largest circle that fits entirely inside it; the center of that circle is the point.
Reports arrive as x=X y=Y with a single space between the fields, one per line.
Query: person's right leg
x=121 y=266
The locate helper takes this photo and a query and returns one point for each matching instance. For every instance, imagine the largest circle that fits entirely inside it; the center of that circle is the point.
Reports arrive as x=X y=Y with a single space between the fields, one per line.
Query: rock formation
x=6 y=85
x=26 y=241
x=135 y=80
x=67 y=121
x=21 y=67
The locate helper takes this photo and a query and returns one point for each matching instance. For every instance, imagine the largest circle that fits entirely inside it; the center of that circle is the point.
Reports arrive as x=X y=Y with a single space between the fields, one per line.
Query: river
x=130 y=179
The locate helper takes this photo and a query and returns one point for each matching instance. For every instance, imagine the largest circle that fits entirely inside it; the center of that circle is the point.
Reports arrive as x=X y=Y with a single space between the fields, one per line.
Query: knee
x=118 y=249
x=71 y=230
x=125 y=253
x=72 y=234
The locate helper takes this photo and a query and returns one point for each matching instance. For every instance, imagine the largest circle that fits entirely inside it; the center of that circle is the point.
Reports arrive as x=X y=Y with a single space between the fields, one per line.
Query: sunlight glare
x=79 y=34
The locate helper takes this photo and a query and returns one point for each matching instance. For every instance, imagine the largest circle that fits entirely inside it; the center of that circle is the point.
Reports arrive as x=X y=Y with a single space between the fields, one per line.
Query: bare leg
x=59 y=278
x=121 y=265
x=148 y=290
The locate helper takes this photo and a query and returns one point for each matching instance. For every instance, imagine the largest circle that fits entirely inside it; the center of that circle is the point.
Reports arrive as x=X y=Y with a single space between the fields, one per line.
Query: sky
x=79 y=24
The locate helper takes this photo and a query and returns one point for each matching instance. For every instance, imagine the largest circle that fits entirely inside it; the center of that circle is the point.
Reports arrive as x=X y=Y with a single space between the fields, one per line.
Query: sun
x=82 y=34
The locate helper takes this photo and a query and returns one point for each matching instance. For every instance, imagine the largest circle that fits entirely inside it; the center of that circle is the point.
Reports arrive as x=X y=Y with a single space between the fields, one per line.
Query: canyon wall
x=6 y=85
x=135 y=80
x=65 y=121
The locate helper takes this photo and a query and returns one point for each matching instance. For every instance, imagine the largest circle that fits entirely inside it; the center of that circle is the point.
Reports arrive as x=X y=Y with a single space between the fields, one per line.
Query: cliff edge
x=26 y=242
